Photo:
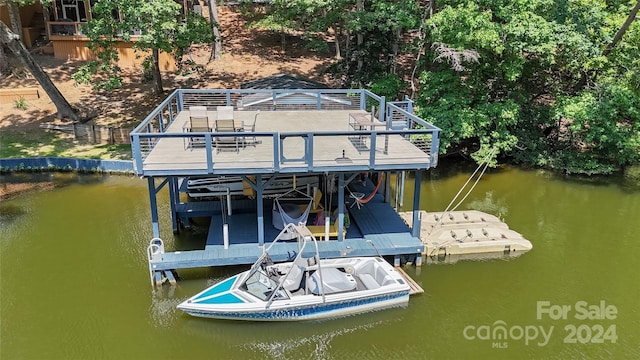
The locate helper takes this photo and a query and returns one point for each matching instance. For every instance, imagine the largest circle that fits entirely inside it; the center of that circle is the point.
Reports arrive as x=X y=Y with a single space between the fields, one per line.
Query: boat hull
x=314 y=311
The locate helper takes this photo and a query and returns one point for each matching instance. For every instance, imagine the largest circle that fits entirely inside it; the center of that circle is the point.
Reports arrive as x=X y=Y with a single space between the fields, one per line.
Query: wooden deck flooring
x=328 y=151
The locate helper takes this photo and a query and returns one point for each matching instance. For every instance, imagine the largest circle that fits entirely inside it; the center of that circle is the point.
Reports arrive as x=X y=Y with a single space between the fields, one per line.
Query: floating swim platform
x=466 y=232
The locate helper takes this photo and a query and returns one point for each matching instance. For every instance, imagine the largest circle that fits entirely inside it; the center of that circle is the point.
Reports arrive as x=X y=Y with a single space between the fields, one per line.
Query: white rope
x=483 y=165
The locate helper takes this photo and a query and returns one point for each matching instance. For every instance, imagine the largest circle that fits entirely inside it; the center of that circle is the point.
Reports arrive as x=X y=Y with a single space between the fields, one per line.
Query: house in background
x=62 y=24
x=33 y=22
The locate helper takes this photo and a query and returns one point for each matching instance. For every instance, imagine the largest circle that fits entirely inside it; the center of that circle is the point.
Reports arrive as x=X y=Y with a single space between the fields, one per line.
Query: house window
x=71 y=10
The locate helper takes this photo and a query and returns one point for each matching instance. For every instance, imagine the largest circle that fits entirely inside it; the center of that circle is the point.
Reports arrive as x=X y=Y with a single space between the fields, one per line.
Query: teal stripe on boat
x=218 y=288
x=227 y=298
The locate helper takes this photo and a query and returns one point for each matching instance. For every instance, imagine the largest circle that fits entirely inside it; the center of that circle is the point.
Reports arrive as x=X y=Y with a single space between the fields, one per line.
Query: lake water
x=74 y=281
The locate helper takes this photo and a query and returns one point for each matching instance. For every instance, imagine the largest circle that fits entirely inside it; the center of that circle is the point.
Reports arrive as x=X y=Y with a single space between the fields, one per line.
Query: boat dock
x=467 y=233
x=277 y=134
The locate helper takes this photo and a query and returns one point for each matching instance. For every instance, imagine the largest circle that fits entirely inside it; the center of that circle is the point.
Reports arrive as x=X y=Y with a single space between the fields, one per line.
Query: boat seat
x=294 y=281
x=334 y=281
x=369 y=281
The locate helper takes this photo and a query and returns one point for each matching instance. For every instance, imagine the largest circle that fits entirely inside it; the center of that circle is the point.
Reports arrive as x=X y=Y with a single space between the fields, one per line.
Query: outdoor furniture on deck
x=198 y=122
x=251 y=129
x=230 y=142
x=363 y=121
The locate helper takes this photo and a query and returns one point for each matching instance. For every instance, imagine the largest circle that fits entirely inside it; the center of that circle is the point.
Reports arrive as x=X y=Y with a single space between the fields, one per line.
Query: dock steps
x=415 y=288
x=162 y=276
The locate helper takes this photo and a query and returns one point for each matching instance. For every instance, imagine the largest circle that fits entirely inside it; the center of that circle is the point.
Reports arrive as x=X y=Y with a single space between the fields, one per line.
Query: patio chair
x=226 y=143
x=225 y=112
x=198 y=122
x=251 y=129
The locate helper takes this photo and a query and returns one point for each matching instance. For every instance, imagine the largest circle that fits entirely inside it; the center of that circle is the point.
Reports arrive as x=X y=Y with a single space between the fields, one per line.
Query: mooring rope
x=483 y=165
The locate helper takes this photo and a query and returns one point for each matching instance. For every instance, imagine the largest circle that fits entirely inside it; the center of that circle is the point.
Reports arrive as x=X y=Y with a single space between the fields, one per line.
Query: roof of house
x=283 y=81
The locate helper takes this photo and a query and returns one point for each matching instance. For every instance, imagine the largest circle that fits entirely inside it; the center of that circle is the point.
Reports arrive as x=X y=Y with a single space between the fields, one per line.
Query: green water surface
x=74 y=281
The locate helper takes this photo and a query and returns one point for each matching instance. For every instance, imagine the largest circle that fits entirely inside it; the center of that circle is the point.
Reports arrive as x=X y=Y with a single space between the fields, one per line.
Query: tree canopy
x=543 y=91
x=154 y=25
x=544 y=82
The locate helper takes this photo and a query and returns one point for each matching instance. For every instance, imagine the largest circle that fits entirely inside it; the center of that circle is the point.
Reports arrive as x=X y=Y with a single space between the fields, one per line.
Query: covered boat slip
x=273 y=134
x=375 y=228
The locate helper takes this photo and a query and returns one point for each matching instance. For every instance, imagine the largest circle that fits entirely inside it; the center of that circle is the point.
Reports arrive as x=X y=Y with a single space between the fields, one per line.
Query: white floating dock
x=466 y=232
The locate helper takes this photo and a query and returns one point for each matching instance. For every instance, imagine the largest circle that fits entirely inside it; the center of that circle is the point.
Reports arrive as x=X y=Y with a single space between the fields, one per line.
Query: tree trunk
x=17 y=47
x=214 y=20
x=45 y=17
x=623 y=30
x=155 y=71
x=4 y=63
x=359 y=37
x=14 y=17
x=337 y=35
x=428 y=12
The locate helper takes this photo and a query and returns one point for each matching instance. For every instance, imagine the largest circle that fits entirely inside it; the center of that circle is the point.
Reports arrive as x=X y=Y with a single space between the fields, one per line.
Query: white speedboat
x=304 y=289
x=206 y=187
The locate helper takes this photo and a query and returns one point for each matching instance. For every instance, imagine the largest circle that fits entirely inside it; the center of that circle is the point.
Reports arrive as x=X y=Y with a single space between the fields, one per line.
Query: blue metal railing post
x=180 y=100
x=160 y=122
x=209 y=149
x=372 y=151
x=276 y=152
x=415 y=228
x=309 y=151
x=137 y=153
x=435 y=146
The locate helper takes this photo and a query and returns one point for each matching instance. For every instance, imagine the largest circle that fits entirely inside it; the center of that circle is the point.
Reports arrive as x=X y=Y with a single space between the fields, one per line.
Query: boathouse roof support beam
x=341 y=206
x=415 y=231
x=174 y=197
x=154 y=207
x=260 y=209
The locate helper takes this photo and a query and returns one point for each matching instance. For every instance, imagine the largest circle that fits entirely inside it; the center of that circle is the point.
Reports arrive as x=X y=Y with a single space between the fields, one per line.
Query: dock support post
x=415 y=225
x=225 y=235
x=154 y=207
x=341 y=206
x=387 y=187
x=259 y=187
x=174 y=198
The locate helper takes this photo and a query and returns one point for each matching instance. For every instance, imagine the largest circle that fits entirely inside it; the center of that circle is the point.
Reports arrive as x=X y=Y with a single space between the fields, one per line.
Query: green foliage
x=542 y=91
x=151 y=25
x=20 y=103
x=388 y=85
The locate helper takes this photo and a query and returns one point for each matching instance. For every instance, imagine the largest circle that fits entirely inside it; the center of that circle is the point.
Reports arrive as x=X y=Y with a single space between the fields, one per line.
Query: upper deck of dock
x=296 y=131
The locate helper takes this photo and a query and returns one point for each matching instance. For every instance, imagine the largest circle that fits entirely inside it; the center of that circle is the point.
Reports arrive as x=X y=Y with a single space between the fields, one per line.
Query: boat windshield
x=260 y=285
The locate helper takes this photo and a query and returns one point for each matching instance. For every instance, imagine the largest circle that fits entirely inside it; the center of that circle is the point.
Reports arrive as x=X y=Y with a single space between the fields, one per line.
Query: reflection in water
x=490 y=205
x=288 y=340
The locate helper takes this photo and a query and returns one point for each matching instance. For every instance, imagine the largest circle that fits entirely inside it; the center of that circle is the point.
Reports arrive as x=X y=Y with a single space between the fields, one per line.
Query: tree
x=12 y=41
x=13 y=8
x=214 y=20
x=543 y=90
x=153 y=26
x=367 y=34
